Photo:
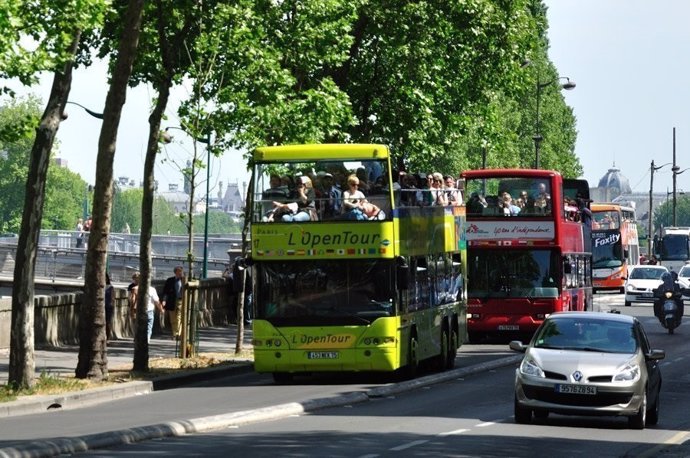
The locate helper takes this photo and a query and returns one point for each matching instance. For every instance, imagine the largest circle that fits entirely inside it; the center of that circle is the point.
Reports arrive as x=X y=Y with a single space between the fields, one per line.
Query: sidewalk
x=63 y=360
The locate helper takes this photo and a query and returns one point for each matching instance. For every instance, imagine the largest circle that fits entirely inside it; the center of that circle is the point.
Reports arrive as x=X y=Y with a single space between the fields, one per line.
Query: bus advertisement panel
x=346 y=287
x=615 y=245
x=528 y=236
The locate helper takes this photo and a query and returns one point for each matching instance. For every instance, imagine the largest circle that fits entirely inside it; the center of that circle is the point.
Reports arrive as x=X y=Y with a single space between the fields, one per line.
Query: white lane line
x=373 y=455
x=452 y=433
x=408 y=445
x=484 y=425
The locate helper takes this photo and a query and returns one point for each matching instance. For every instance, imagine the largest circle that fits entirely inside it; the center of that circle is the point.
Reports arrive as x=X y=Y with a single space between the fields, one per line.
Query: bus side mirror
x=626 y=253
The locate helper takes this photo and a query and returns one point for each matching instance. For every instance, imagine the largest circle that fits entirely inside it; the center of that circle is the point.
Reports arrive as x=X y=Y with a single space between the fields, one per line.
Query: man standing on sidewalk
x=172 y=300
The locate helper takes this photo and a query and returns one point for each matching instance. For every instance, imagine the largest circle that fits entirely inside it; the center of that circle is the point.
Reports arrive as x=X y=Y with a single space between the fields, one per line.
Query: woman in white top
x=355 y=204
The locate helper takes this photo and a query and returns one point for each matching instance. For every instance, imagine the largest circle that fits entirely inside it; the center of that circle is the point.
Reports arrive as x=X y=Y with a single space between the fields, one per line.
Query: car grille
x=599 y=400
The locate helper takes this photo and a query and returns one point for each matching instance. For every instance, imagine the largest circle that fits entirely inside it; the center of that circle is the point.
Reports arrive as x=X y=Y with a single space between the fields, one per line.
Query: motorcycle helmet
x=667 y=281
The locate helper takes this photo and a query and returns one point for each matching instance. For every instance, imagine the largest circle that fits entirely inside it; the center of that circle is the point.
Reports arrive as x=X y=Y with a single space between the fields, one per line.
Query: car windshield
x=684 y=272
x=586 y=334
x=646 y=273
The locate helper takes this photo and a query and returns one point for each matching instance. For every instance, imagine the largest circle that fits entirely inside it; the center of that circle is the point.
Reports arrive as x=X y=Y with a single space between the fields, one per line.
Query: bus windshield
x=675 y=247
x=524 y=273
x=325 y=292
x=320 y=190
x=607 y=250
x=508 y=196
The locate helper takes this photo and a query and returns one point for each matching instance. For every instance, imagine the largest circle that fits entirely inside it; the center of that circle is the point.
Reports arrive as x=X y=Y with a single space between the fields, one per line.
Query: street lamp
x=568 y=85
x=651 y=201
x=91 y=112
x=167 y=138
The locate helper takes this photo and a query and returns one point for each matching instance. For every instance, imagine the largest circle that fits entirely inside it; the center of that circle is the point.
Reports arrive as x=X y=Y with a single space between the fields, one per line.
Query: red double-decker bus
x=528 y=249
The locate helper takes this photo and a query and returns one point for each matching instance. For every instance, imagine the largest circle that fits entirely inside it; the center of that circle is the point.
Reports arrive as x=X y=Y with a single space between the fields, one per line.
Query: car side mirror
x=656 y=355
x=517 y=345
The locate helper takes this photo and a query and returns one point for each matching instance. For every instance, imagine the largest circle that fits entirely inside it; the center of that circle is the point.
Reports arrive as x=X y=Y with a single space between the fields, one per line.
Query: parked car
x=641 y=281
x=589 y=363
x=684 y=276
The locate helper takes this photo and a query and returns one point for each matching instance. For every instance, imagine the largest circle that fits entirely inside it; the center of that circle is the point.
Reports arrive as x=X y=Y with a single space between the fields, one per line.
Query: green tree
x=93 y=362
x=38 y=36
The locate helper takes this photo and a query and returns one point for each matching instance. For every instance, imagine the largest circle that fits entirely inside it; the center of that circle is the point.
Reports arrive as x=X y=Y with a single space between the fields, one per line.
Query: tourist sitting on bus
x=509 y=208
x=302 y=207
x=438 y=193
x=330 y=202
x=476 y=204
x=542 y=199
x=453 y=194
x=355 y=204
x=276 y=192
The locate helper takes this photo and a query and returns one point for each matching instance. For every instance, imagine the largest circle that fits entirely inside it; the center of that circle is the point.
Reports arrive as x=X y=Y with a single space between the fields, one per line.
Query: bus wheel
x=452 y=349
x=412 y=358
x=282 y=377
x=441 y=361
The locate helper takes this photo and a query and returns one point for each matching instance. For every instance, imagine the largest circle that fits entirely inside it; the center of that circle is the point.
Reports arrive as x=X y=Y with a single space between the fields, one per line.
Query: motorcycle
x=668 y=305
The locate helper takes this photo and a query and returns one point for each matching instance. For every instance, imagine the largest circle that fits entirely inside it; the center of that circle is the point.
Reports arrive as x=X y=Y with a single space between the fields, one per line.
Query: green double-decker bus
x=345 y=278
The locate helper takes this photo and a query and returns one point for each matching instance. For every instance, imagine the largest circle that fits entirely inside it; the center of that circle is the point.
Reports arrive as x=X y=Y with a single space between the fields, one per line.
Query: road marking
x=658 y=450
x=373 y=455
x=488 y=423
x=408 y=445
x=452 y=433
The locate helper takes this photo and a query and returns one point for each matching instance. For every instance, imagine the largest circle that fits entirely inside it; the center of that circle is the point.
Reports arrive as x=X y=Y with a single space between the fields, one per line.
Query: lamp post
x=568 y=85
x=207 y=141
x=651 y=202
x=91 y=112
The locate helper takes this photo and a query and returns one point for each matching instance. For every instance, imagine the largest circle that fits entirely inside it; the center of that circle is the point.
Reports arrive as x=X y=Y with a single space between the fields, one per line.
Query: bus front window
x=324 y=292
x=529 y=273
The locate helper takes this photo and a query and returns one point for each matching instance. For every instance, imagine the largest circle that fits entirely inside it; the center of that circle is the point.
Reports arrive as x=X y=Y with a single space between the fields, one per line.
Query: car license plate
x=647 y=294
x=576 y=389
x=322 y=355
x=508 y=327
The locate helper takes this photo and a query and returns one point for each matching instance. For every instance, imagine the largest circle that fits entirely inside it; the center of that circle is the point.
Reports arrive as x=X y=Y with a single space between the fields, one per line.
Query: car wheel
x=523 y=416
x=627 y=303
x=638 y=420
x=653 y=414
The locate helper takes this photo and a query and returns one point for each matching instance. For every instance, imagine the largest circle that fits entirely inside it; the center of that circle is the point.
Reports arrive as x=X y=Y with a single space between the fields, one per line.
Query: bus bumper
x=326 y=360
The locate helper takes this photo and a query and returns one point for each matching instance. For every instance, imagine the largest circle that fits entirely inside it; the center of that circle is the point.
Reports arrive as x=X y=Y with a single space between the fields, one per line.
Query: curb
x=93 y=396
x=58 y=446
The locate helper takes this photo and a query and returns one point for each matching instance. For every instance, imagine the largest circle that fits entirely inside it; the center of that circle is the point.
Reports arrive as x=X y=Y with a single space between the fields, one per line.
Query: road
x=458 y=418
x=469 y=416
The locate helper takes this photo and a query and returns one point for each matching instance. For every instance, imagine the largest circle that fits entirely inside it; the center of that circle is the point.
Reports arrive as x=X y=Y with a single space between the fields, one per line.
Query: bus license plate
x=576 y=389
x=322 y=355
x=508 y=327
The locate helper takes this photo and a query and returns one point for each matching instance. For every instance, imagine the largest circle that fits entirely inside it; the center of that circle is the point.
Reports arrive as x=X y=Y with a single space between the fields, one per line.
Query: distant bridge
x=59 y=259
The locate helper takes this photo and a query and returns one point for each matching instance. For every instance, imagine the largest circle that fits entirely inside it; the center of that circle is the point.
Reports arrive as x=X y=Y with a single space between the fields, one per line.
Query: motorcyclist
x=668 y=284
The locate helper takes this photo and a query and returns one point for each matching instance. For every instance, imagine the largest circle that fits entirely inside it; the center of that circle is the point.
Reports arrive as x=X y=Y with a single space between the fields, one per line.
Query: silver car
x=589 y=363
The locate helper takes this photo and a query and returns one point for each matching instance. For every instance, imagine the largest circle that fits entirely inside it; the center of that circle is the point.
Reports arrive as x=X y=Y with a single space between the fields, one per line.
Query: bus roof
x=530 y=173
x=323 y=152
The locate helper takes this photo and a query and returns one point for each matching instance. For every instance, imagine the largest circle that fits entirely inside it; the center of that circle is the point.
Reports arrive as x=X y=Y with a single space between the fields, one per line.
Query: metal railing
x=59 y=257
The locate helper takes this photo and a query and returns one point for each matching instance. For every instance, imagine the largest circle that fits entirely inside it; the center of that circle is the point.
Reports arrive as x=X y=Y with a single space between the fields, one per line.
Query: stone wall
x=56 y=317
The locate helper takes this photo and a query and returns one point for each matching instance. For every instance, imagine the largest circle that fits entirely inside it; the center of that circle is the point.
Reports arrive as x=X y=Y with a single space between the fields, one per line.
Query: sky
x=630 y=60
x=78 y=135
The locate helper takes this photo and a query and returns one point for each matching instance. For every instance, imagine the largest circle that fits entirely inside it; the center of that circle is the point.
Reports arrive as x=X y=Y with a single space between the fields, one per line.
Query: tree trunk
x=93 y=360
x=141 y=346
x=22 y=366
x=245 y=250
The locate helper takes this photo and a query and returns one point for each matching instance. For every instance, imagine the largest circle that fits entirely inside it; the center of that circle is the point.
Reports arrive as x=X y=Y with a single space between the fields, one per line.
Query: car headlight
x=530 y=367
x=629 y=287
x=629 y=372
